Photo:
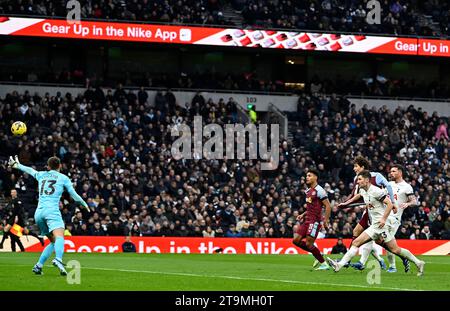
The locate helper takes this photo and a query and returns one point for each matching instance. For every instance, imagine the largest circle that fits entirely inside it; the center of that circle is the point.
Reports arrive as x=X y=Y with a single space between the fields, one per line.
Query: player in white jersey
x=377 y=179
x=404 y=196
x=379 y=207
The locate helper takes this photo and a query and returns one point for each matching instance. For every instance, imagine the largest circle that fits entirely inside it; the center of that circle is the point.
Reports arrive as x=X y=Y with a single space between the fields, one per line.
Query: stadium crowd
x=406 y=17
x=115 y=146
x=168 y=11
x=400 y=17
x=381 y=86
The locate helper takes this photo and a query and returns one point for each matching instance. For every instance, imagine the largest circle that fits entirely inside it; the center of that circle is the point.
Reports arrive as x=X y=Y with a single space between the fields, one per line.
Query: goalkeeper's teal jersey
x=51 y=187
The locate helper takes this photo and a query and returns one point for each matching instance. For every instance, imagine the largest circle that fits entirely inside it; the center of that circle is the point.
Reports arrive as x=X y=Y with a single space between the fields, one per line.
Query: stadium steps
x=427 y=20
x=292 y=128
x=231 y=14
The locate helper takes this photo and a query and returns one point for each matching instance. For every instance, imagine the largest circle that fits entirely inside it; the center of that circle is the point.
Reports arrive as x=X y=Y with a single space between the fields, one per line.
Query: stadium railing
x=281 y=118
x=256 y=92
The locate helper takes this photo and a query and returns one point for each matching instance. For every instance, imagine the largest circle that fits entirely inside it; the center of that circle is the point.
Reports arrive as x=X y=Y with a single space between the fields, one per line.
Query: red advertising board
x=228 y=245
x=292 y=40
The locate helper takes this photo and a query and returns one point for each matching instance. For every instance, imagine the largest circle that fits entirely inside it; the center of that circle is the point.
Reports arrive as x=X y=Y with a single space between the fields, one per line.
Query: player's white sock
x=391 y=259
x=348 y=256
x=376 y=255
x=365 y=252
x=406 y=253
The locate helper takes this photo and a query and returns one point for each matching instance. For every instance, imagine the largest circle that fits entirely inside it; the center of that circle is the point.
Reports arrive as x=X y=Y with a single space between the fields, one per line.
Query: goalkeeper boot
x=37 y=269
x=58 y=264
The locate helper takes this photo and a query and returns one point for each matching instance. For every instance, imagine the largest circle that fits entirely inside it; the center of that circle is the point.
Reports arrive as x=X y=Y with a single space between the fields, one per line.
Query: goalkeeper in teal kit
x=51 y=185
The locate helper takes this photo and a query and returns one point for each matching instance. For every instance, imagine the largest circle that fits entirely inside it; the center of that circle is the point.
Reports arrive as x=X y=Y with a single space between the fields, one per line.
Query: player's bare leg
x=404 y=259
x=362 y=239
x=393 y=247
x=297 y=239
x=357 y=231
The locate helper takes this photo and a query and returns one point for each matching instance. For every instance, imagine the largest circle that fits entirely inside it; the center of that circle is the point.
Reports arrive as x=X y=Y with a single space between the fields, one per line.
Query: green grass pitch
x=178 y=272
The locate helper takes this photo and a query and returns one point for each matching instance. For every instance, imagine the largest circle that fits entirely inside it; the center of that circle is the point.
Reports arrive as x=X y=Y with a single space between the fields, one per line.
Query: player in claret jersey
x=376 y=179
x=316 y=200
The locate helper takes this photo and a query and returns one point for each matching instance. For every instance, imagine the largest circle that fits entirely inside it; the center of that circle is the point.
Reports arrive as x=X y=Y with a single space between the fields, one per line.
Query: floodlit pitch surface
x=177 y=272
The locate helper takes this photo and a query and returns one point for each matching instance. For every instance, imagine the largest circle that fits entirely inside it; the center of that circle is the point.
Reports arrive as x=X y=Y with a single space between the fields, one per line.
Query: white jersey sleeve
x=379 y=194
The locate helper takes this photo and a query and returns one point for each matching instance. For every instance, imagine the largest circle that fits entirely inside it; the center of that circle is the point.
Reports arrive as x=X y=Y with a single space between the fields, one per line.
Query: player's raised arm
x=350 y=201
x=14 y=163
x=69 y=187
x=381 y=180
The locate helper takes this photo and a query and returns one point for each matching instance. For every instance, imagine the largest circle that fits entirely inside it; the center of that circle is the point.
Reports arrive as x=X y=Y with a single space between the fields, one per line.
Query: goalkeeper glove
x=13 y=162
x=86 y=206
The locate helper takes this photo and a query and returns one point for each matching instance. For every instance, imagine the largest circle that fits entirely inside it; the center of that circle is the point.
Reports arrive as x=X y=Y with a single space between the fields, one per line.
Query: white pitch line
x=249 y=279
x=239 y=278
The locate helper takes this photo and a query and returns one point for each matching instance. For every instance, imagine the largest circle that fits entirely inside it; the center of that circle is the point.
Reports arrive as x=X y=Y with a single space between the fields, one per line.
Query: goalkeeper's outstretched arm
x=14 y=163
x=75 y=196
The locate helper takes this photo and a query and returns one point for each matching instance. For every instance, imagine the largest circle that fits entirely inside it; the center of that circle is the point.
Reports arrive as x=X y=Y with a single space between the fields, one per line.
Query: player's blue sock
x=47 y=252
x=59 y=247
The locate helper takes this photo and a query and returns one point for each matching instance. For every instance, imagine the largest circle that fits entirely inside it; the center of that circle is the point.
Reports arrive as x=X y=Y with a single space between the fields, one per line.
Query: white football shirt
x=374 y=197
x=401 y=192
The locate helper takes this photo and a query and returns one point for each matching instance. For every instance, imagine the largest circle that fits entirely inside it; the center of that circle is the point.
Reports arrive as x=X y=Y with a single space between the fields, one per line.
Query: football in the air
x=18 y=128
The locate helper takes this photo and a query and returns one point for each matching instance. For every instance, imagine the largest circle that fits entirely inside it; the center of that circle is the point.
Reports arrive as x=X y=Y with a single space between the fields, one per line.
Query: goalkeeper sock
x=59 y=247
x=46 y=253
